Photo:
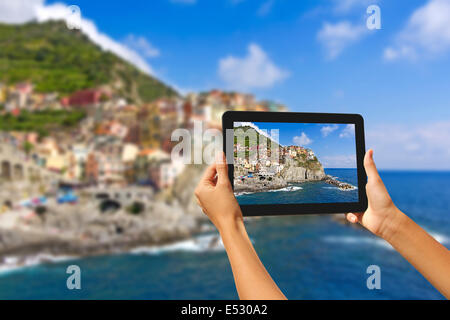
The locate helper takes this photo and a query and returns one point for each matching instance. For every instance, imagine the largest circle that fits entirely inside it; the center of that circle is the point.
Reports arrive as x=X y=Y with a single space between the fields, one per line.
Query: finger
x=354 y=217
x=369 y=165
x=222 y=168
x=209 y=175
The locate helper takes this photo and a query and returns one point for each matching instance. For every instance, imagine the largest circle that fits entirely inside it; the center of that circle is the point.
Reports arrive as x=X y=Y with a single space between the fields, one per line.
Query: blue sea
x=308 y=192
x=310 y=257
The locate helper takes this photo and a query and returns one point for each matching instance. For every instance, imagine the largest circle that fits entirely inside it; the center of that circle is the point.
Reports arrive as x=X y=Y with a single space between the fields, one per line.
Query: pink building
x=86 y=97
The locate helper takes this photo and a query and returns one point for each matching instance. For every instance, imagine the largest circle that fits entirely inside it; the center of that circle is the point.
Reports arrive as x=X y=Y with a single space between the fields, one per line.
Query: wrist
x=393 y=224
x=231 y=223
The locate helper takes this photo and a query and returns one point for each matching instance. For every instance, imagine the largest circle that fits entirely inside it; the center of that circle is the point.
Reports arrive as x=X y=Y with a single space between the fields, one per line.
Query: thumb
x=222 y=168
x=369 y=165
x=354 y=217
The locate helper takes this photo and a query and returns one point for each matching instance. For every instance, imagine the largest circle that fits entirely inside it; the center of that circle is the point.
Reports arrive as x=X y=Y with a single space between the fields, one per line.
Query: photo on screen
x=294 y=163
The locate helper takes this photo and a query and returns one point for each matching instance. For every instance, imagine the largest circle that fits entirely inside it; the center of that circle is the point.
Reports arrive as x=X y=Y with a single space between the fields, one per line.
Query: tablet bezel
x=230 y=117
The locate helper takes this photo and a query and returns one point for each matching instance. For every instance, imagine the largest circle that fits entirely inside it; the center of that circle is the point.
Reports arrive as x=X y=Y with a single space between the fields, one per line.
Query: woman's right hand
x=382 y=217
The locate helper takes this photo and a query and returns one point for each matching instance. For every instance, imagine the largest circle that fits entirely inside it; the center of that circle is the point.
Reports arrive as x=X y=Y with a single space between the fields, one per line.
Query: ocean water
x=310 y=257
x=308 y=192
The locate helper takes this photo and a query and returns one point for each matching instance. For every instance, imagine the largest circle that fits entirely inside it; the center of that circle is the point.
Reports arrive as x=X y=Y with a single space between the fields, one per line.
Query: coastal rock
x=183 y=190
x=255 y=185
x=82 y=229
x=294 y=174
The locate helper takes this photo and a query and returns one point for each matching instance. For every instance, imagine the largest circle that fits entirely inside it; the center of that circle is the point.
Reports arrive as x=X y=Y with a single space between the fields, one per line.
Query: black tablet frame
x=230 y=117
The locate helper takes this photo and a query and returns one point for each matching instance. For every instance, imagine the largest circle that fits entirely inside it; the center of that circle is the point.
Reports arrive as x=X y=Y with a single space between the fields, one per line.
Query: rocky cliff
x=300 y=172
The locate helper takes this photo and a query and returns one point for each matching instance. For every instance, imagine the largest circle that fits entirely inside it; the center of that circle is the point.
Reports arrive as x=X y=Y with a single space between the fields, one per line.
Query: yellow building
x=56 y=162
x=127 y=115
x=149 y=122
x=2 y=94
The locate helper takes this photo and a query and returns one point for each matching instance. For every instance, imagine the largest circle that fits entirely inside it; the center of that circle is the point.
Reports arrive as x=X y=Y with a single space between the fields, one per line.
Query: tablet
x=286 y=163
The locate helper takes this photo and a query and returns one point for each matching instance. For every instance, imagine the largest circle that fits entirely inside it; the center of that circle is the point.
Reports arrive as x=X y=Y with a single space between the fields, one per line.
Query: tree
x=27 y=147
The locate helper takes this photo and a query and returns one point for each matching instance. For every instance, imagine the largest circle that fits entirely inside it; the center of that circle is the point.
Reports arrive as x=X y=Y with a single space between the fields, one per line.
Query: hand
x=382 y=217
x=215 y=195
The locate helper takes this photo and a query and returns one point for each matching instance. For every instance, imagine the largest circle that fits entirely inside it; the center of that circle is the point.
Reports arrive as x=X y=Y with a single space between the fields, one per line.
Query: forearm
x=251 y=278
x=427 y=255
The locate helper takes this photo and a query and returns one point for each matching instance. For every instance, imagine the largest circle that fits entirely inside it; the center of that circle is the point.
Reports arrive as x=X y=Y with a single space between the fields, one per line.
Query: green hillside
x=57 y=59
x=244 y=133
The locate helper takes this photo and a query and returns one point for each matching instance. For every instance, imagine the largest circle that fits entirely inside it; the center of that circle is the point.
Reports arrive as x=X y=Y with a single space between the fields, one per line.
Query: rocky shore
x=290 y=174
x=257 y=185
x=341 y=185
x=83 y=229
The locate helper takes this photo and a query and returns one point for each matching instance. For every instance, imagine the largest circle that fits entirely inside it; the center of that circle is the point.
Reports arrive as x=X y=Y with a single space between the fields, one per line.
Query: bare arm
x=427 y=255
x=251 y=278
x=384 y=219
x=215 y=196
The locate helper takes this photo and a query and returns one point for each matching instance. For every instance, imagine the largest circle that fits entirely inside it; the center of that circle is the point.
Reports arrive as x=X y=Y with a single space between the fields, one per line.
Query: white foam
x=377 y=241
x=201 y=243
x=358 y=240
x=237 y=194
x=336 y=188
x=287 y=189
x=14 y=263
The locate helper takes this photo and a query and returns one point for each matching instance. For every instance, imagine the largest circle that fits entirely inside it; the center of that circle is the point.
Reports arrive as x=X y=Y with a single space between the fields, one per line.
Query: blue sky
x=333 y=144
x=312 y=55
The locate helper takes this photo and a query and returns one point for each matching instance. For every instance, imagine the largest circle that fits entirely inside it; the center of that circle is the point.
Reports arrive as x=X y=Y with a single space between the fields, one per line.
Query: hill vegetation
x=248 y=135
x=57 y=59
x=42 y=122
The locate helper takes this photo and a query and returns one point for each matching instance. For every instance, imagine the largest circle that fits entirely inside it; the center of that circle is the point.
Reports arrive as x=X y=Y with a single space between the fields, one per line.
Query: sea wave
x=358 y=240
x=336 y=188
x=201 y=243
x=237 y=194
x=288 y=189
x=444 y=240
x=15 y=263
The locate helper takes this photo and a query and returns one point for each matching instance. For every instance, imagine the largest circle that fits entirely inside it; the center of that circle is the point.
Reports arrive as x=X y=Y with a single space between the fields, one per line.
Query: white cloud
x=21 y=11
x=272 y=134
x=255 y=70
x=422 y=146
x=326 y=130
x=339 y=161
x=336 y=37
x=18 y=11
x=427 y=33
x=141 y=45
x=302 y=140
x=348 y=131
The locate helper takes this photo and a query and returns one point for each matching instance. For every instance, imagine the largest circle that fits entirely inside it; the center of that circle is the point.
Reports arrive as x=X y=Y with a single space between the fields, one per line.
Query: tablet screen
x=294 y=163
